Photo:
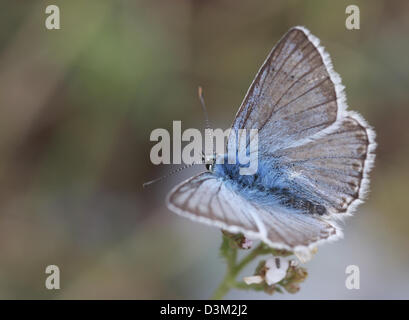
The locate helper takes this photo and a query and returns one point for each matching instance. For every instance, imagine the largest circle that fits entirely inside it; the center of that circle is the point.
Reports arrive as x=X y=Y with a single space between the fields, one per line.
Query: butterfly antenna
x=202 y=102
x=207 y=126
x=167 y=175
x=207 y=122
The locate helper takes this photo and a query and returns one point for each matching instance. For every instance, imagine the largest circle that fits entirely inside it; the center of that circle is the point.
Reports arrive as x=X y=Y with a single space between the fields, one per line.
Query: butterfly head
x=209 y=162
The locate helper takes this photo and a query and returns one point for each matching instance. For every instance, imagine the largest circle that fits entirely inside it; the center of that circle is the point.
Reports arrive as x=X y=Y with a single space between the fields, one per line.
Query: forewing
x=209 y=199
x=295 y=94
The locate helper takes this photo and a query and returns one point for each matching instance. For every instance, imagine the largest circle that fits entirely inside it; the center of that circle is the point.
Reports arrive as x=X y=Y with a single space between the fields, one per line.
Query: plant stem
x=250 y=257
x=233 y=269
x=223 y=288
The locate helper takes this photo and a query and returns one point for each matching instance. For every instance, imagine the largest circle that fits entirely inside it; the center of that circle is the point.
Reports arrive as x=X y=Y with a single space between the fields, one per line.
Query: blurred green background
x=77 y=108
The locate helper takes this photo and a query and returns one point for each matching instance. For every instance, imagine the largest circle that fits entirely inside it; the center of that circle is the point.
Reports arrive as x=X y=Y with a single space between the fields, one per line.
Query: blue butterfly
x=314 y=156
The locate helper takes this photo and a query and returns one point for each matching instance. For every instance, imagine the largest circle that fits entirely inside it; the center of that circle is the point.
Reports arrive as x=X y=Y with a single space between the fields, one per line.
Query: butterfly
x=314 y=155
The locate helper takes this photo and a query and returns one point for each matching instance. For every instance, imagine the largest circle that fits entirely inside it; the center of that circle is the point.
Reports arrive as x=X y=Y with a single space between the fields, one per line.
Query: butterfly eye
x=209 y=167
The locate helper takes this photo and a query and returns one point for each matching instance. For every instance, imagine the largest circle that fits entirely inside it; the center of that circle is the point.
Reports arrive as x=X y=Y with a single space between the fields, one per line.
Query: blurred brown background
x=77 y=108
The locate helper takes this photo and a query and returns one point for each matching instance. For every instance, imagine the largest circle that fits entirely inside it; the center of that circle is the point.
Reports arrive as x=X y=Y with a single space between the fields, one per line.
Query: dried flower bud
x=294 y=263
x=292 y=287
x=300 y=274
x=246 y=243
x=238 y=240
x=270 y=289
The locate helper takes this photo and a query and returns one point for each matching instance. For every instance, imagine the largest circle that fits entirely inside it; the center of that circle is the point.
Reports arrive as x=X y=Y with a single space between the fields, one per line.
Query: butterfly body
x=272 y=187
x=313 y=156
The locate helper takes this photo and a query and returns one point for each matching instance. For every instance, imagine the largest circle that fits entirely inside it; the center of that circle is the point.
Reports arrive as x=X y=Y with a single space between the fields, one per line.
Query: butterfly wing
x=211 y=200
x=323 y=152
x=295 y=94
x=332 y=168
